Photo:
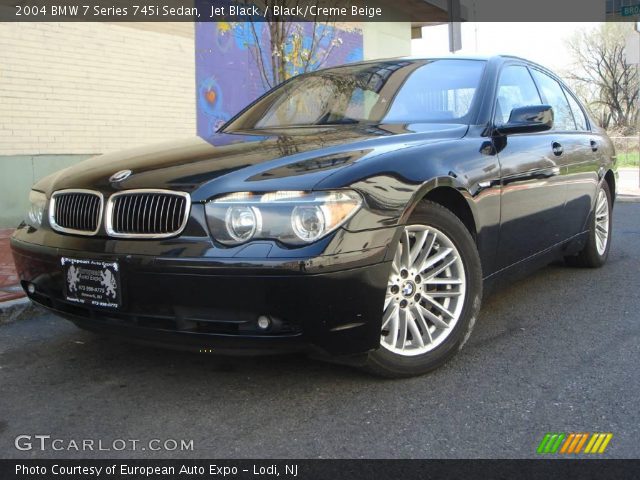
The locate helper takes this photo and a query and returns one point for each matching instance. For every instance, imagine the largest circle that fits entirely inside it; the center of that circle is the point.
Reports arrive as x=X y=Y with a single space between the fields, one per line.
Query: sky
x=543 y=43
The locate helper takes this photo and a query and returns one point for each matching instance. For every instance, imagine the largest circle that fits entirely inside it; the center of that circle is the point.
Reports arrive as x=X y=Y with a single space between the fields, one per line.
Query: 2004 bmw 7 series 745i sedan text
x=355 y=213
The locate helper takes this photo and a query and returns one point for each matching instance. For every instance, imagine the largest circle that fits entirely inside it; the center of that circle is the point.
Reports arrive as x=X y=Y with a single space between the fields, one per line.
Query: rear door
x=583 y=173
x=577 y=154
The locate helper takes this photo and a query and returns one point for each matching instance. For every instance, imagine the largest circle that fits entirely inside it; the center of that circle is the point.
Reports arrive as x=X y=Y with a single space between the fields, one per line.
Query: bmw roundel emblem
x=120 y=176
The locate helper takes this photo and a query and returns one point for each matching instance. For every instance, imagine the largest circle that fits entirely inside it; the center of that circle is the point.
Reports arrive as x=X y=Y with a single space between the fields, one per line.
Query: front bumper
x=329 y=305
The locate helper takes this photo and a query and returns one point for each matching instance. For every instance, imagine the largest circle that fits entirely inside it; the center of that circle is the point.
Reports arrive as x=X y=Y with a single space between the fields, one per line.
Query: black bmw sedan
x=355 y=213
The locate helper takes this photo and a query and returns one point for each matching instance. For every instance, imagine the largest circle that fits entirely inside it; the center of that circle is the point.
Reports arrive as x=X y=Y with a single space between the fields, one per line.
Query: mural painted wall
x=228 y=76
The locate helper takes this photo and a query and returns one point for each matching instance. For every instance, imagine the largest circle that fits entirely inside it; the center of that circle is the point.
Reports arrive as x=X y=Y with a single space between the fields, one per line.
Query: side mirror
x=530 y=119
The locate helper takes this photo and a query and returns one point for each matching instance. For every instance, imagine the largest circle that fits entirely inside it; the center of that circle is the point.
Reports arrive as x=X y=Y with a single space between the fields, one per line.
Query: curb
x=621 y=197
x=18 y=309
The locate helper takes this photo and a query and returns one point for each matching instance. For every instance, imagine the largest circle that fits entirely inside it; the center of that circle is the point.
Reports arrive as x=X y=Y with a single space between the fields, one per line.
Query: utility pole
x=632 y=54
x=455 y=30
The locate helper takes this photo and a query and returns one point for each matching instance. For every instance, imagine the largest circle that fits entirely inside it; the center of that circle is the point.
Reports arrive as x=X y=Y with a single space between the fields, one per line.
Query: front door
x=533 y=187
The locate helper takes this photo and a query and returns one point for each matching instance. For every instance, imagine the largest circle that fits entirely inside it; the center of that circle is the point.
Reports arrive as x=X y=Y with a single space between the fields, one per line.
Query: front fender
x=432 y=184
x=393 y=184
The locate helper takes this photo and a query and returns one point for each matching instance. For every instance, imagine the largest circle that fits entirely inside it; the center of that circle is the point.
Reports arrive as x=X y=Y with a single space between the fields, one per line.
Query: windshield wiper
x=324 y=120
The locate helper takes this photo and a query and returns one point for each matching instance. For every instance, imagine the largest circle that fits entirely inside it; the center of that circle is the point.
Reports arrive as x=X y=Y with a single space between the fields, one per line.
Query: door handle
x=594 y=145
x=557 y=149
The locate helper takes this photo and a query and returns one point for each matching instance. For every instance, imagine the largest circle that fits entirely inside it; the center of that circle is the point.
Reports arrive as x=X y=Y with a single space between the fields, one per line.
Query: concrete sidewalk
x=629 y=185
x=13 y=302
x=9 y=286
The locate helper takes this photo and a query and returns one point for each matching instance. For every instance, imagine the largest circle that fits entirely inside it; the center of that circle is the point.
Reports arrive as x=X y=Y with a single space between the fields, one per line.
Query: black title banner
x=415 y=11
x=320 y=469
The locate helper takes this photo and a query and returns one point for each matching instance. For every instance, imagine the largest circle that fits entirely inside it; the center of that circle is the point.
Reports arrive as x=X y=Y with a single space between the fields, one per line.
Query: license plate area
x=92 y=282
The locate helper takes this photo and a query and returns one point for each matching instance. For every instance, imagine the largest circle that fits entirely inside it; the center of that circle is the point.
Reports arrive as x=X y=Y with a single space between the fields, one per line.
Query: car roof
x=487 y=58
x=449 y=57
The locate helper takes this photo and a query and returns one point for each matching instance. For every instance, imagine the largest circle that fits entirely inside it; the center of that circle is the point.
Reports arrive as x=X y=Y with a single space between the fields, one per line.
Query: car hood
x=294 y=158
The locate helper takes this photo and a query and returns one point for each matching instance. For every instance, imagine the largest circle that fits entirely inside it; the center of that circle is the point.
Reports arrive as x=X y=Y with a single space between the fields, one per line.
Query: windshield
x=398 y=91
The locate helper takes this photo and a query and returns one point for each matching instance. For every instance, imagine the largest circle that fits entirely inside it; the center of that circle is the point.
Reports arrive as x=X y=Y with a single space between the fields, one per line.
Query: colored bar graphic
x=572 y=438
x=592 y=441
x=572 y=443
x=551 y=442
x=543 y=443
x=607 y=439
x=573 y=448
x=596 y=446
x=582 y=442
x=598 y=443
x=558 y=442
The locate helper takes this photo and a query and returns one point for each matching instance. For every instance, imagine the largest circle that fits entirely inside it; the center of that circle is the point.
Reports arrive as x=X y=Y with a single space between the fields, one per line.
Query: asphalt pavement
x=556 y=352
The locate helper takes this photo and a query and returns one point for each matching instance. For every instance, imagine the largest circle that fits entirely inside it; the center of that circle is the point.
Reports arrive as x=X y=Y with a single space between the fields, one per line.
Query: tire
x=594 y=254
x=441 y=265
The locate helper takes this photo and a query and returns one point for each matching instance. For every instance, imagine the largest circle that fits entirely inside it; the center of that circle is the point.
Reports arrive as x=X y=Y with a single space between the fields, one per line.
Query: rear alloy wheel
x=433 y=294
x=595 y=252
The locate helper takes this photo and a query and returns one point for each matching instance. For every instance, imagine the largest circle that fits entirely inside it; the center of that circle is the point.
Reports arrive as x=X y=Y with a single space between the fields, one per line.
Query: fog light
x=264 y=322
x=31 y=288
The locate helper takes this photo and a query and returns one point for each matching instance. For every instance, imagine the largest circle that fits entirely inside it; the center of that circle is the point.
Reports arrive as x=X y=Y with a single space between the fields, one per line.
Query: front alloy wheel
x=432 y=297
x=425 y=292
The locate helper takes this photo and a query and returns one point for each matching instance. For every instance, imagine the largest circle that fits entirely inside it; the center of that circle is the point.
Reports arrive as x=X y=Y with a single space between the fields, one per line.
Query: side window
x=515 y=89
x=578 y=114
x=553 y=94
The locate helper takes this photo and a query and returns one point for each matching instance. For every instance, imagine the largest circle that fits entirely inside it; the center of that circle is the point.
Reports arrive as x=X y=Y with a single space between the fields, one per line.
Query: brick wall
x=78 y=88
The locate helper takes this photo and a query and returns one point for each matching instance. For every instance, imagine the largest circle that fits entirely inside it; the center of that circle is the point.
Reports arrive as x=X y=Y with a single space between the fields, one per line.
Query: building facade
x=69 y=91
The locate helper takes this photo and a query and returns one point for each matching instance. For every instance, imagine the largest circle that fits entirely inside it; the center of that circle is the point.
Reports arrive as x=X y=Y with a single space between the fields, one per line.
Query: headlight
x=242 y=222
x=38 y=201
x=294 y=218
